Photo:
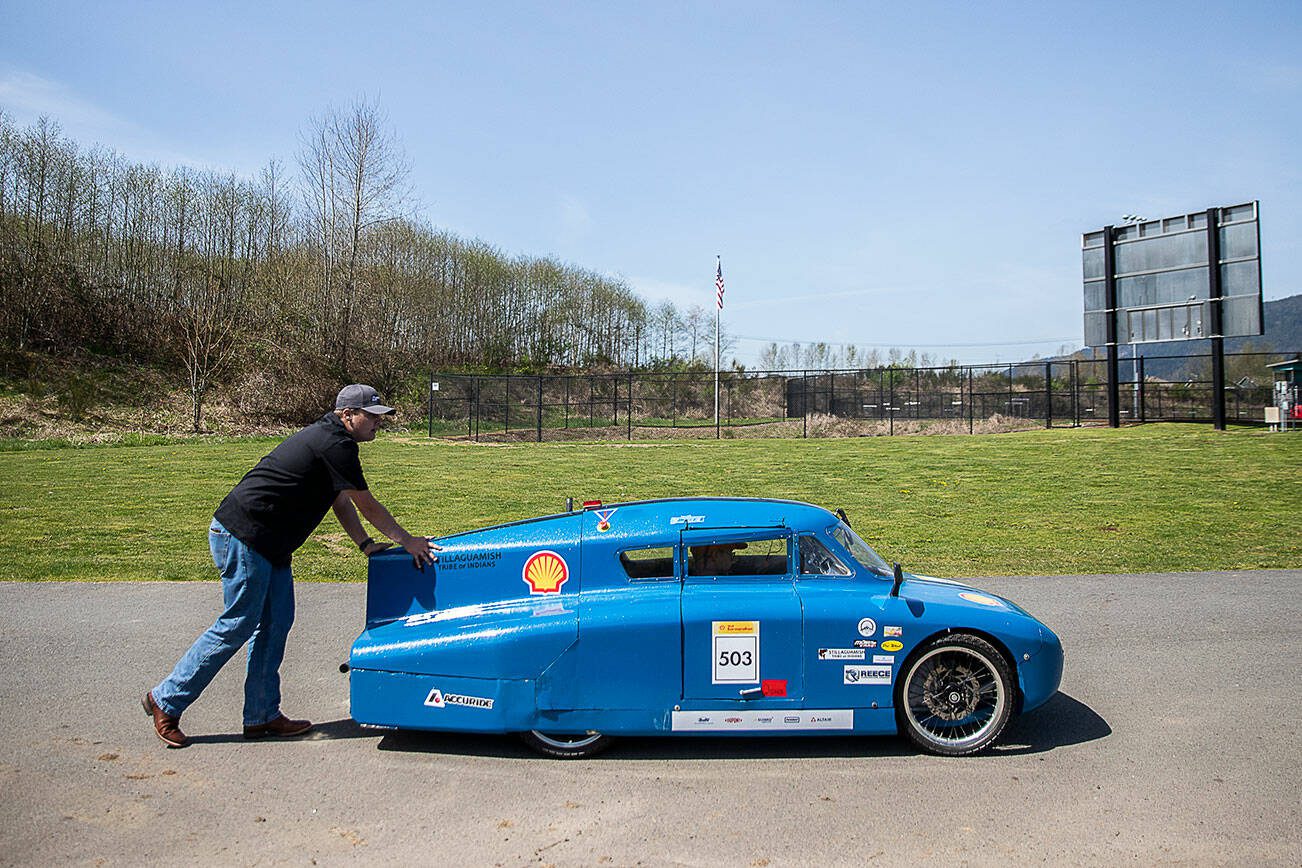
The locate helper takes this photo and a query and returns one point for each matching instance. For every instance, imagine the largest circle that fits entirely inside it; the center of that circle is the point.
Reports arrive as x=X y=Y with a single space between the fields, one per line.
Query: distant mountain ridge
x=1283 y=334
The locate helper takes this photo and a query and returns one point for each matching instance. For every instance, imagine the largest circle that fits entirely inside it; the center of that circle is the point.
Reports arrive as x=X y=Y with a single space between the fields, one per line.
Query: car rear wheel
x=572 y=745
x=956 y=696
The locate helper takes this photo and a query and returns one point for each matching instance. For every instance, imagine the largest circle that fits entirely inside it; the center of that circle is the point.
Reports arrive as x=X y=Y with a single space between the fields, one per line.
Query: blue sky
x=886 y=174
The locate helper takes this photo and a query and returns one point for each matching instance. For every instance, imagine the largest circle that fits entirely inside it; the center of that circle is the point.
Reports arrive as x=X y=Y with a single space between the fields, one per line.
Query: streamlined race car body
x=717 y=616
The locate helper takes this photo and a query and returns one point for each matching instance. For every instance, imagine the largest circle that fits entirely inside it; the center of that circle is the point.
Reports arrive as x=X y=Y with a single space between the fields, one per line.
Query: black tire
x=956 y=696
x=573 y=745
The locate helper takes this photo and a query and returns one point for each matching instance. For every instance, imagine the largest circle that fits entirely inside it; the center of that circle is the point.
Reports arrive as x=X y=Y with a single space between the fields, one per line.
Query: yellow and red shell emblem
x=545 y=572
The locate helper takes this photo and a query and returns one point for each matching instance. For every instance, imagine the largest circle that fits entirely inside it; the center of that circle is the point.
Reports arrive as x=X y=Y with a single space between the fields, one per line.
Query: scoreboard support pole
x=1110 y=303
x=1218 y=341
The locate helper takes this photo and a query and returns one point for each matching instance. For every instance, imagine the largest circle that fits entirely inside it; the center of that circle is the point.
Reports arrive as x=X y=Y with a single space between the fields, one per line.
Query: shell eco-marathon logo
x=545 y=572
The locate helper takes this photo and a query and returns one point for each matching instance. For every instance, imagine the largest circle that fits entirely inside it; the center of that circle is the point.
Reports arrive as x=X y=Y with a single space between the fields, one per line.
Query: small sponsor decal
x=867 y=675
x=545 y=572
x=865 y=643
x=892 y=645
x=438 y=699
x=979 y=598
x=681 y=721
x=687 y=519
x=887 y=659
x=468 y=560
x=736 y=652
x=867 y=626
x=892 y=631
x=841 y=653
x=603 y=518
x=774 y=687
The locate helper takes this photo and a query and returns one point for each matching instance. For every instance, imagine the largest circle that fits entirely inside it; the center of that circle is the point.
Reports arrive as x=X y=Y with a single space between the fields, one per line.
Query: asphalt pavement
x=1174 y=739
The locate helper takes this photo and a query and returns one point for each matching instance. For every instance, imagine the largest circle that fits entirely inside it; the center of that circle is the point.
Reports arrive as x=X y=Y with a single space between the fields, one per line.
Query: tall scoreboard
x=1179 y=278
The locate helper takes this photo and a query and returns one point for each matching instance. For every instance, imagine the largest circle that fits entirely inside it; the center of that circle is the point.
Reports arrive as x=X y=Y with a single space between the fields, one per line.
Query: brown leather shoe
x=167 y=727
x=281 y=727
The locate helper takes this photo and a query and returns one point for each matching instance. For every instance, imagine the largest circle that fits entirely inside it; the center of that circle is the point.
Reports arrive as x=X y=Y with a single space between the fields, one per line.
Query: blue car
x=702 y=616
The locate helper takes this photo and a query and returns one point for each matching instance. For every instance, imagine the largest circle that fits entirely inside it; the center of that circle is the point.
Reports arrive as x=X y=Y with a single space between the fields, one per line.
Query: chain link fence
x=883 y=401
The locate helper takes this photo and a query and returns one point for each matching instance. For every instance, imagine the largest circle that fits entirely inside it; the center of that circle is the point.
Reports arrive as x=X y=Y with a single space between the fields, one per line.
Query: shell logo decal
x=545 y=572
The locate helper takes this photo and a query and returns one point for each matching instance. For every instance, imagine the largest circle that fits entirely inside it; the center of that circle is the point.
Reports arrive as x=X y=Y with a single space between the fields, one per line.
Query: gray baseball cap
x=360 y=397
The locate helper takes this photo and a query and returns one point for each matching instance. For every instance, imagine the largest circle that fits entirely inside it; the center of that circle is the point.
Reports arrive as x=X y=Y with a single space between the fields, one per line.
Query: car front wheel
x=566 y=745
x=956 y=696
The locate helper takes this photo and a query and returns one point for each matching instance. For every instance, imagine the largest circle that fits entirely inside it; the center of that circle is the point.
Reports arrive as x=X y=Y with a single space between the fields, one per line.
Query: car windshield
x=861 y=551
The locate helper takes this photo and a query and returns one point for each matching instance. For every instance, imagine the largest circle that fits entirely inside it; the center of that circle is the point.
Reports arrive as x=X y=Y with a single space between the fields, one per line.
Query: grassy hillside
x=1161 y=497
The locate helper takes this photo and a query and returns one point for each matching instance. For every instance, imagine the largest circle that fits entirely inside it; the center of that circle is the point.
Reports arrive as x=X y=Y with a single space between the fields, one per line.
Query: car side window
x=817 y=560
x=649 y=563
x=756 y=557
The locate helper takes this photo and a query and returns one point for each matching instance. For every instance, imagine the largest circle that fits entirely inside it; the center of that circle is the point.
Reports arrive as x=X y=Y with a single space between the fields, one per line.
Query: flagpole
x=718 y=310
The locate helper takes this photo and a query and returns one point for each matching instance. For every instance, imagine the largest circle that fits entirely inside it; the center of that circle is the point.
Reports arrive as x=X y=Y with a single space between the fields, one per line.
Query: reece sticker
x=867 y=675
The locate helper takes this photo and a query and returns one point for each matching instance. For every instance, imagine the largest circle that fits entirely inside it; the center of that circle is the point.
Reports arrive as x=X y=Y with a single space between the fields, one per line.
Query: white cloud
x=682 y=295
x=26 y=97
x=574 y=221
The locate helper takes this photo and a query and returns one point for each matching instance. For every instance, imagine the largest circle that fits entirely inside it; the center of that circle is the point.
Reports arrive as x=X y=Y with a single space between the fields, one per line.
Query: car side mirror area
x=899 y=580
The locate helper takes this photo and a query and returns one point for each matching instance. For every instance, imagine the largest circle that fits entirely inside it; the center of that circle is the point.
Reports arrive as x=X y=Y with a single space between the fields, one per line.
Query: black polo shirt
x=278 y=503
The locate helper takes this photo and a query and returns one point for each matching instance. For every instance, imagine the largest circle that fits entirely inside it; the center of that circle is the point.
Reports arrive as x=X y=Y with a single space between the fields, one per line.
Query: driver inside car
x=715 y=560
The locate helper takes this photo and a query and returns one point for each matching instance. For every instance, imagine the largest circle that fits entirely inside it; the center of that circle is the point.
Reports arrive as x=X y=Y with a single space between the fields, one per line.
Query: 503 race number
x=736 y=658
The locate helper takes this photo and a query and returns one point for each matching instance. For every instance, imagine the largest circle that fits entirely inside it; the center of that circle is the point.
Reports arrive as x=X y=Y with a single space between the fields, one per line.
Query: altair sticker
x=545 y=572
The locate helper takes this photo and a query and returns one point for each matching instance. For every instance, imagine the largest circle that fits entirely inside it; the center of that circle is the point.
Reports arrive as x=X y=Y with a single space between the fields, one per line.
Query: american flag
x=718 y=283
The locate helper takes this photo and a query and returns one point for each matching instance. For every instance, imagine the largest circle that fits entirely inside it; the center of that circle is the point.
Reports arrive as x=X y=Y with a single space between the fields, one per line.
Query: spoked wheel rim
x=954 y=696
x=568 y=741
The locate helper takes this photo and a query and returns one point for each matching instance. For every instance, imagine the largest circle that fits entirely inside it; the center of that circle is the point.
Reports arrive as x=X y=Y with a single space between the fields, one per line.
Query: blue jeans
x=259 y=610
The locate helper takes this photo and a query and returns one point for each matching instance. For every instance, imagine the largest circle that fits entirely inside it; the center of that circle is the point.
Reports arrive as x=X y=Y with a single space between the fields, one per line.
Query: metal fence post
x=431 y=404
x=1143 y=411
x=804 y=400
x=506 y=412
x=539 y=407
x=630 y=405
x=971 y=402
x=1048 y=394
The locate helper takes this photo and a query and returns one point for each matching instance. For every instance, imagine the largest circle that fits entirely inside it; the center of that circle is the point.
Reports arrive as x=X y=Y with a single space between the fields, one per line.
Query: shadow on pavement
x=345 y=727
x=1060 y=722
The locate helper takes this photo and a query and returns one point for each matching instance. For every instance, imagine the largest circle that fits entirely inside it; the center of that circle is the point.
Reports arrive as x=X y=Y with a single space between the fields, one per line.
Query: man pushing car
x=253 y=536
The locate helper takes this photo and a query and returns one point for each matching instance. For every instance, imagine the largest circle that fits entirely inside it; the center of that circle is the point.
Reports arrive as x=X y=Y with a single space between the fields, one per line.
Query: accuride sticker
x=979 y=598
x=438 y=699
x=545 y=572
x=867 y=675
x=736 y=652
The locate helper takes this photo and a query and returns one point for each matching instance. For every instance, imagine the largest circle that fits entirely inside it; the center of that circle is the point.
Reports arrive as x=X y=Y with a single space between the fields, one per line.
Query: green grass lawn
x=1158 y=497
